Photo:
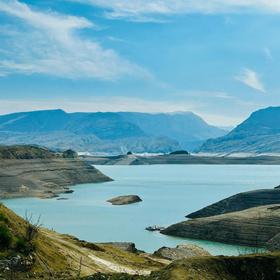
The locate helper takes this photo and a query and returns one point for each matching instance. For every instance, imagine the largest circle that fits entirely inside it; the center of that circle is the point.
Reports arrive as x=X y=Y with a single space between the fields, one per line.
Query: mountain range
x=260 y=133
x=110 y=133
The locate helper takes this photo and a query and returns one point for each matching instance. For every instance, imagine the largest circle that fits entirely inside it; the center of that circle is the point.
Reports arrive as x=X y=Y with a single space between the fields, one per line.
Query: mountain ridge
x=259 y=133
x=106 y=132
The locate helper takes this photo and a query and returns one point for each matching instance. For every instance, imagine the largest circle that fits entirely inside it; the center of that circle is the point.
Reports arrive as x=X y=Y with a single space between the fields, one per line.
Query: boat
x=155 y=228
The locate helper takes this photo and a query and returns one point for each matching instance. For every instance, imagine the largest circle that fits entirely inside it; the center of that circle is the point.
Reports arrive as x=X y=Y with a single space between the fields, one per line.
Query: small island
x=124 y=199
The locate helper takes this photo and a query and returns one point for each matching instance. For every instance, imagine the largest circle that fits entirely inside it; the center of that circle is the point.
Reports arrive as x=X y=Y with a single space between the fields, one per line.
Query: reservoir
x=169 y=192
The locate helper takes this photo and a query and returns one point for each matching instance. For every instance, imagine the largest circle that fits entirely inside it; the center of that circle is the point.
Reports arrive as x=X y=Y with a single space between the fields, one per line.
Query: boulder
x=124 y=199
x=125 y=246
x=181 y=252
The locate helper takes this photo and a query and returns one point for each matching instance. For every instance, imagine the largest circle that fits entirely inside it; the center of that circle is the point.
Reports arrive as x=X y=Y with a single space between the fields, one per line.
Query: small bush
x=21 y=245
x=5 y=237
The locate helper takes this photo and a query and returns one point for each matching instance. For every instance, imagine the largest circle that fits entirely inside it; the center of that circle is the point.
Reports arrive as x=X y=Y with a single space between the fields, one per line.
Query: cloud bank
x=35 y=41
x=144 y=10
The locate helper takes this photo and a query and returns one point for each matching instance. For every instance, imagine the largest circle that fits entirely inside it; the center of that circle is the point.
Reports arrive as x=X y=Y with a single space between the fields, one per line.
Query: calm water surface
x=169 y=192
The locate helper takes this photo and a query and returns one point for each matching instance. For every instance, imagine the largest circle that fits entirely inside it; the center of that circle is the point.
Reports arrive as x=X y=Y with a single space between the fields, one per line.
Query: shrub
x=5 y=237
x=21 y=245
x=3 y=218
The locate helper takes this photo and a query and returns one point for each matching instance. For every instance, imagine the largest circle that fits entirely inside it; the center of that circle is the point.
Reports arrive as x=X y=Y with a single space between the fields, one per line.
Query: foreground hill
x=260 y=133
x=34 y=171
x=106 y=132
x=28 y=251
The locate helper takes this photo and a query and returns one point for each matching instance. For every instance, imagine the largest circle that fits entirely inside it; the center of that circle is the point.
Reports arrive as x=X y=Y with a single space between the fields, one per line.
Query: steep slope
x=260 y=133
x=45 y=254
x=187 y=128
x=106 y=132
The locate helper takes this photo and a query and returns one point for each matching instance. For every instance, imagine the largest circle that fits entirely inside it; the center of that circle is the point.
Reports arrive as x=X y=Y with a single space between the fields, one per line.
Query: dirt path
x=117 y=267
x=95 y=261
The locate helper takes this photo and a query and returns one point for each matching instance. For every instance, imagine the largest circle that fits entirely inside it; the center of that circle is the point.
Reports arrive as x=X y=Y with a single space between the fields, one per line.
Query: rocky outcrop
x=181 y=252
x=249 y=267
x=125 y=199
x=251 y=227
x=124 y=246
x=44 y=177
x=239 y=202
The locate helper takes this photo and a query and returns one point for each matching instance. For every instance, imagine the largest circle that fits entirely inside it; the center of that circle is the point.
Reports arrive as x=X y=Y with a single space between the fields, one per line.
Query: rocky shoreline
x=249 y=219
x=252 y=227
x=44 y=178
x=174 y=158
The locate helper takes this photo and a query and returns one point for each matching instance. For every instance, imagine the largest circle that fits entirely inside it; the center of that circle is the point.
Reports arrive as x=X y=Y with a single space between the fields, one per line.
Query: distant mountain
x=107 y=132
x=260 y=133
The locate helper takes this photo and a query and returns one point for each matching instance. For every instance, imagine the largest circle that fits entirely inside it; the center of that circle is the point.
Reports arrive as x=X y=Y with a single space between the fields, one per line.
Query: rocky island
x=124 y=199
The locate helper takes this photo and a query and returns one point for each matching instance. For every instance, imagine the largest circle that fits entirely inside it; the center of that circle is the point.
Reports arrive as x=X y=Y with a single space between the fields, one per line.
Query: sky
x=218 y=58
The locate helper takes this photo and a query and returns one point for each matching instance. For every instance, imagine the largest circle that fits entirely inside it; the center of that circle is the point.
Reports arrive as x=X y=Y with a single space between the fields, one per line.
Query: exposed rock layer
x=44 y=177
x=251 y=227
x=239 y=202
x=181 y=252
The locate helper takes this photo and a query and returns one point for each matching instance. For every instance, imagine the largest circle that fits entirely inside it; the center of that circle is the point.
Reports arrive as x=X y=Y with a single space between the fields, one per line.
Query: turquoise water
x=169 y=192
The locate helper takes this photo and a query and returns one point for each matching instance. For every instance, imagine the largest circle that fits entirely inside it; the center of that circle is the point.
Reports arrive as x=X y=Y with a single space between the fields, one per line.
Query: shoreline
x=45 y=178
x=181 y=159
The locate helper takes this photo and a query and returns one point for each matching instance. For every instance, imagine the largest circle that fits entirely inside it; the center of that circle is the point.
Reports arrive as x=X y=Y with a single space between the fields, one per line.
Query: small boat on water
x=154 y=228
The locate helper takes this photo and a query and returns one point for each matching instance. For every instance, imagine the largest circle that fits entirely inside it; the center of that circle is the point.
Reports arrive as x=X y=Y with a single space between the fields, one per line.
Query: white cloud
x=49 y=43
x=251 y=79
x=144 y=10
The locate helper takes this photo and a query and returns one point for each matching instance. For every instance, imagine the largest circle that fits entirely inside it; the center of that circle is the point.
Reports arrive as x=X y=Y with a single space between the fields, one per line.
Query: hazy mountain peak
x=258 y=134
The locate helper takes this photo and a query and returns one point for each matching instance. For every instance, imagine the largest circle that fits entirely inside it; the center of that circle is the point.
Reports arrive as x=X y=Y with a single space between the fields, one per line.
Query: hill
x=260 y=133
x=112 y=133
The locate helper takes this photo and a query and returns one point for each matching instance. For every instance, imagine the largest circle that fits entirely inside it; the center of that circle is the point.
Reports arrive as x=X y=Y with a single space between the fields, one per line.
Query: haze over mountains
x=111 y=133
x=260 y=133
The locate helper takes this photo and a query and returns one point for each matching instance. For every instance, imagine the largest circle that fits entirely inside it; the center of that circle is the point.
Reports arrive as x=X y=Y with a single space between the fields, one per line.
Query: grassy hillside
x=25 y=152
x=30 y=251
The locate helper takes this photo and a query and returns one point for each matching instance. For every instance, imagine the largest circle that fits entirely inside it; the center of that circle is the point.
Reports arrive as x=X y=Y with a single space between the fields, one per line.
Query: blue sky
x=219 y=59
